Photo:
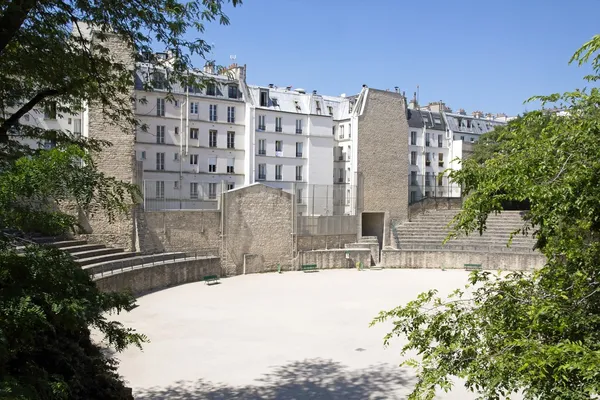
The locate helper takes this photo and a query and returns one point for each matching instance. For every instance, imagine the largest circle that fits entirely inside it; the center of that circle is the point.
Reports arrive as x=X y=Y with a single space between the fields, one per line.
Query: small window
x=318 y=107
x=193 y=159
x=212 y=112
x=160 y=189
x=278 y=175
x=341 y=131
x=193 y=133
x=299 y=146
x=262 y=171
x=278 y=127
x=177 y=130
x=212 y=138
x=160 y=161
x=350 y=107
x=298 y=172
x=233 y=92
x=212 y=191
x=261 y=122
x=262 y=144
x=298 y=126
x=160 y=134
x=212 y=164
x=211 y=89
x=278 y=148
x=194 y=107
x=50 y=110
x=231 y=115
x=176 y=157
x=264 y=98
x=193 y=190
x=413 y=138
x=230 y=165
x=231 y=140
x=230 y=185
x=143 y=155
x=413 y=158
x=330 y=110
x=160 y=107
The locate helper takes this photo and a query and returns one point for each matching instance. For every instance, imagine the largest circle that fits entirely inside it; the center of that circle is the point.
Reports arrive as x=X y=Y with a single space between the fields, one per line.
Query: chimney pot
x=270 y=85
x=314 y=92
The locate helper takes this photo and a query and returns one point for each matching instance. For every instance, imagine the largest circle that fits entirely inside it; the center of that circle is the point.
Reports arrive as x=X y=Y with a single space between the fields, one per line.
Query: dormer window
x=318 y=107
x=264 y=98
x=350 y=106
x=297 y=105
x=275 y=102
x=211 y=89
x=233 y=92
x=330 y=110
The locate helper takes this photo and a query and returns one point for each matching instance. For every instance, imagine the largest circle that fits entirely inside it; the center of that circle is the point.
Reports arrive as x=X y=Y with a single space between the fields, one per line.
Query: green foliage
x=47 y=60
x=536 y=333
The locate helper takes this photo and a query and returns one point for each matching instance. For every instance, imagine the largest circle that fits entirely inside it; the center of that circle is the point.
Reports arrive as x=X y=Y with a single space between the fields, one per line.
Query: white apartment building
x=194 y=140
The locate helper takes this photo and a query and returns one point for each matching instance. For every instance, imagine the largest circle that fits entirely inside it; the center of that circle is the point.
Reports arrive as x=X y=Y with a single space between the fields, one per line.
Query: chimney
x=477 y=114
x=271 y=85
x=396 y=89
x=314 y=92
x=462 y=111
x=288 y=88
x=364 y=86
x=413 y=103
x=209 y=67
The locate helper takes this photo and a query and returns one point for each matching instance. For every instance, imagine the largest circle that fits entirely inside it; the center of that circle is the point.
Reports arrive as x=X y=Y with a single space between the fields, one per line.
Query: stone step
x=46 y=239
x=67 y=243
x=106 y=266
x=474 y=236
x=106 y=257
x=368 y=238
x=172 y=263
x=95 y=252
x=82 y=247
x=486 y=249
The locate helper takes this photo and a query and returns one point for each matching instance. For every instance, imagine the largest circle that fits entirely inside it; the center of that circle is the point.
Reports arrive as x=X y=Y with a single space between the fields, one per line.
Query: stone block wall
x=447 y=259
x=258 y=221
x=179 y=230
x=315 y=242
x=452 y=203
x=335 y=258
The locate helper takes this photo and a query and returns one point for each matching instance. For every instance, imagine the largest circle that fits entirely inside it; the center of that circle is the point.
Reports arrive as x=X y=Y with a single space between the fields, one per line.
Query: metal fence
x=177 y=195
x=151 y=259
x=432 y=185
x=325 y=200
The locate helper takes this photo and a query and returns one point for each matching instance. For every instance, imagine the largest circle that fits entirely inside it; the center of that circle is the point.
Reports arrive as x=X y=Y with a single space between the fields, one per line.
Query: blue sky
x=476 y=55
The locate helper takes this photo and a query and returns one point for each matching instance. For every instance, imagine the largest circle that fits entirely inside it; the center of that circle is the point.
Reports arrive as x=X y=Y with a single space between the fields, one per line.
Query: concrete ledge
x=335 y=258
x=140 y=280
x=448 y=259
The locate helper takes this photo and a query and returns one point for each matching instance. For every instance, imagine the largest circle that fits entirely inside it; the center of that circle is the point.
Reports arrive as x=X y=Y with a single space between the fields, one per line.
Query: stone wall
x=117 y=161
x=304 y=243
x=335 y=258
x=149 y=278
x=446 y=259
x=258 y=221
x=383 y=154
x=179 y=230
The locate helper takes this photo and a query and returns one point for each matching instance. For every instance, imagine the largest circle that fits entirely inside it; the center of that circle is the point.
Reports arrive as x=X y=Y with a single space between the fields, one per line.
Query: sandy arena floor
x=269 y=336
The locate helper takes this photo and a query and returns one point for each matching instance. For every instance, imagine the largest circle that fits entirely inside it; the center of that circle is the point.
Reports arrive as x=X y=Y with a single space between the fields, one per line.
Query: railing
x=261 y=177
x=298 y=131
x=298 y=154
x=261 y=127
x=262 y=152
x=278 y=129
x=152 y=259
x=298 y=177
x=277 y=177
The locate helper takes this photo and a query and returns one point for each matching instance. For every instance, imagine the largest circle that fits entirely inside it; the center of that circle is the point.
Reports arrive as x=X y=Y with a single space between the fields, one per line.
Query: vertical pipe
x=187 y=117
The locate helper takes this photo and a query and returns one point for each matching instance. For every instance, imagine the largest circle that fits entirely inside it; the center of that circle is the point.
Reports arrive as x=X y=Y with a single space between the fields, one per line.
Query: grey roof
x=433 y=120
x=469 y=124
x=414 y=118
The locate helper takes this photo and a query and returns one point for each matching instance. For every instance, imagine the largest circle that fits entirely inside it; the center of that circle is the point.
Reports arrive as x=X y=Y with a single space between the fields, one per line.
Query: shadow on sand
x=308 y=379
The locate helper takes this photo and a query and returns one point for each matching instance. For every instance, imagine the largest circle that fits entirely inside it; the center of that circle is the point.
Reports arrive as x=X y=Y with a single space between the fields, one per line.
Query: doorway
x=372 y=225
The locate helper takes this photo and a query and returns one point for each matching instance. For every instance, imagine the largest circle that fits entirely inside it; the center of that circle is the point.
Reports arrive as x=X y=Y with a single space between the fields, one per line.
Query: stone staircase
x=428 y=231
x=367 y=242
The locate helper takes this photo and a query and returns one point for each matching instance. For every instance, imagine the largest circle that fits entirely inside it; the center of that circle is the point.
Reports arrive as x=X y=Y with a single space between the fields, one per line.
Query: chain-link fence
x=325 y=200
x=431 y=185
x=175 y=195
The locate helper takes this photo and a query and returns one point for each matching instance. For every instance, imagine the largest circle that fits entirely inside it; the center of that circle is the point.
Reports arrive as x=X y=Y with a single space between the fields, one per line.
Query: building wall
x=117 y=161
x=383 y=154
x=258 y=221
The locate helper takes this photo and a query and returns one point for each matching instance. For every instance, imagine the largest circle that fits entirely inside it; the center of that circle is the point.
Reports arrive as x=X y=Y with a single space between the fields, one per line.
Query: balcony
x=262 y=152
x=212 y=196
x=298 y=177
x=278 y=129
x=340 y=180
x=277 y=177
x=230 y=170
x=261 y=177
x=298 y=154
x=261 y=127
x=298 y=131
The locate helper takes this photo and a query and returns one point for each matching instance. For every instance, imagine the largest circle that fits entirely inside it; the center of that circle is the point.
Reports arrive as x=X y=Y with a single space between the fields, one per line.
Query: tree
x=48 y=60
x=536 y=332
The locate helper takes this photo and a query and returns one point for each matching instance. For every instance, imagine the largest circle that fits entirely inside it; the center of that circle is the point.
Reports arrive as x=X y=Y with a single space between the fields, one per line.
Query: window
x=232 y=92
x=348 y=197
x=193 y=159
x=318 y=107
x=212 y=164
x=440 y=141
x=427 y=159
x=413 y=138
x=440 y=180
x=230 y=164
x=462 y=137
x=176 y=103
x=274 y=102
x=212 y=138
x=176 y=185
x=177 y=130
x=160 y=134
x=194 y=107
x=437 y=121
x=427 y=141
x=299 y=149
x=341 y=131
x=278 y=148
x=143 y=155
x=175 y=156
x=230 y=185
x=349 y=153
x=193 y=190
x=468 y=123
x=278 y=169
x=261 y=122
x=413 y=178
x=413 y=157
x=264 y=98
x=427 y=178
x=413 y=196
x=298 y=172
x=211 y=89
x=262 y=144
x=340 y=151
x=349 y=130
x=278 y=124
x=160 y=161
x=341 y=175
x=160 y=107
x=298 y=126
x=212 y=191
x=158 y=80
x=333 y=130
x=231 y=114
x=193 y=133
x=262 y=171
x=212 y=112
x=160 y=189
x=77 y=128
x=441 y=159
x=50 y=110
x=330 y=110
x=472 y=140
x=231 y=140
x=350 y=107
x=299 y=196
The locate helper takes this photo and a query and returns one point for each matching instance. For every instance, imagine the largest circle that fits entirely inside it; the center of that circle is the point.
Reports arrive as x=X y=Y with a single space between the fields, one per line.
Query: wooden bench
x=473 y=267
x=211 y=279
x=309 y=267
